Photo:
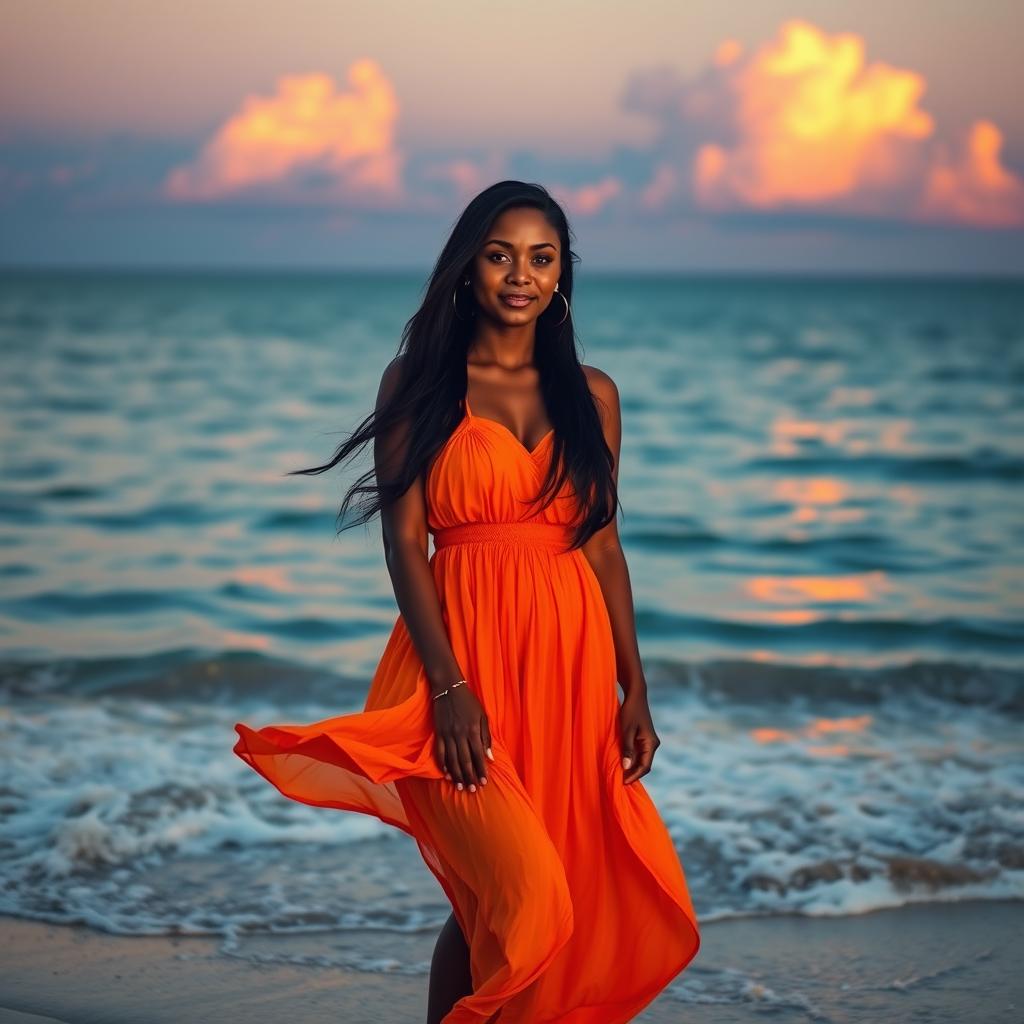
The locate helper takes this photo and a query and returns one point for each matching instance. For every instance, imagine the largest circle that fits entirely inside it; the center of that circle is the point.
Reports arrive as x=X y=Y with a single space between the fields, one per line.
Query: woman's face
x=521 y=256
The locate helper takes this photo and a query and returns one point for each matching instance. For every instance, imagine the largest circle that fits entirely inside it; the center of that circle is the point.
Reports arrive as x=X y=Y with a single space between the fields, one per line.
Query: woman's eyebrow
x=509 y=245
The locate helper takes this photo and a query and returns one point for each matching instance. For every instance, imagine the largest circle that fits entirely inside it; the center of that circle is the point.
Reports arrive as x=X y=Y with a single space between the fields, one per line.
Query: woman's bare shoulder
x=603 y=388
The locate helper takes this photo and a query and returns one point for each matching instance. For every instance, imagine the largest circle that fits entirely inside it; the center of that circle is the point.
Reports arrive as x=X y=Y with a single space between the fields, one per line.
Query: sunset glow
x=694 y=137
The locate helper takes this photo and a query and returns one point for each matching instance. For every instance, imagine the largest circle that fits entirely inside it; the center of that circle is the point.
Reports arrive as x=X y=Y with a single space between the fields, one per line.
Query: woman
x=492 y=732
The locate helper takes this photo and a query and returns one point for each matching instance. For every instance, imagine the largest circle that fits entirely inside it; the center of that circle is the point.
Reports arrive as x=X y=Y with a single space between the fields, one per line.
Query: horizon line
x=424 y=271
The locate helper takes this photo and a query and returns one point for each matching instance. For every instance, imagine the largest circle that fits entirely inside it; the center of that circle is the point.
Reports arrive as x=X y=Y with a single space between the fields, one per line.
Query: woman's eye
x=541 y=256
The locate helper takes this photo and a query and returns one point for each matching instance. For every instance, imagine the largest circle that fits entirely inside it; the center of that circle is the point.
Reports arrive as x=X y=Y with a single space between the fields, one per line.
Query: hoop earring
x=455 y=304
x=566 y=301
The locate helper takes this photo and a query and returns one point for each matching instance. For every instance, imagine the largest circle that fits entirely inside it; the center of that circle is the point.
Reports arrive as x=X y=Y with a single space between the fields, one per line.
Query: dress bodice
x=485 y=474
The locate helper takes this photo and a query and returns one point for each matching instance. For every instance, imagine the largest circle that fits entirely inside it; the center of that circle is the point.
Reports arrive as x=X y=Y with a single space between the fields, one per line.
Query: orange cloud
x=813 y=125
x=308 y=126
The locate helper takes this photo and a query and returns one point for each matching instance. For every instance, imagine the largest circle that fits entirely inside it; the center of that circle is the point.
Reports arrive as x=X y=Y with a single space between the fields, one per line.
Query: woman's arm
x=462 y=735
x=605 y=555
x=404 y=529
x=604 y=551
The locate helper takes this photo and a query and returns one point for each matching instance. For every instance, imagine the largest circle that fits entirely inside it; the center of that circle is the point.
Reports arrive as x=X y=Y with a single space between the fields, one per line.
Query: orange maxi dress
x=564 y=880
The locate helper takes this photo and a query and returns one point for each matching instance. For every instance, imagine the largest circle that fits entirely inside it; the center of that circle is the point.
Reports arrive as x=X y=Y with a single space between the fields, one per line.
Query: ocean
x=821 y=510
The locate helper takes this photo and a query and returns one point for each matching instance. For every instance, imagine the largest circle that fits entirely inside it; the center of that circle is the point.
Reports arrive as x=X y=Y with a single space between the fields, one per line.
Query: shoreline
x=941 y=961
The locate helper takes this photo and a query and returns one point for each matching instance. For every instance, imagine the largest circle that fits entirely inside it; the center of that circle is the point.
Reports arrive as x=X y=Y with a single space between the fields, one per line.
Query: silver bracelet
x=452 y=687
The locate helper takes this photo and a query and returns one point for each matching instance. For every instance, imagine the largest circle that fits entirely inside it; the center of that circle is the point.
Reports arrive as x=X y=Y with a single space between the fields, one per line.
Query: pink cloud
x=973 y=186
x=664 y=181
x=587 y=200
x=67 y=174
x=469 y=176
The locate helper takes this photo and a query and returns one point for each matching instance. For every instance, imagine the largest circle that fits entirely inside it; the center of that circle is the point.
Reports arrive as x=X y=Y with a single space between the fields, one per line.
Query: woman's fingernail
x=460 y=785
x=626 y=762
x=483 y=779
x=489 y=754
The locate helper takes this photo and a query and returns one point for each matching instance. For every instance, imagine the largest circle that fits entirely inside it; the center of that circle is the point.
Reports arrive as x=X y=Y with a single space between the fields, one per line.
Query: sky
x=760 y=137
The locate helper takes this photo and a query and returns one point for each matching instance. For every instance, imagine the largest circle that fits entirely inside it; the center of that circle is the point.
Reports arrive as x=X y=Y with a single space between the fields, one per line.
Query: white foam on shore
x=134 y=816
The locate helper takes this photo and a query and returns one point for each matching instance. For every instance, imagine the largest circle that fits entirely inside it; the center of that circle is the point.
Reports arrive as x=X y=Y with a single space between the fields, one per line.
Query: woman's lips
x=516 y=301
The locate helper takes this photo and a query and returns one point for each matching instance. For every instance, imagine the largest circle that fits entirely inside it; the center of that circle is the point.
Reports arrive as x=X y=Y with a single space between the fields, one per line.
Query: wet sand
x=937 y=962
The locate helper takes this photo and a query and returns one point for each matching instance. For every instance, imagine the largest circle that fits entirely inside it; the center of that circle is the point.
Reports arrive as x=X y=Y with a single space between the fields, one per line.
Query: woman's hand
x=462 y=738
x=639 y=740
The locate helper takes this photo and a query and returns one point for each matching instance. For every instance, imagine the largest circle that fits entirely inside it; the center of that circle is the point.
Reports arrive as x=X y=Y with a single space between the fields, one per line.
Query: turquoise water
x=812 y=473
x=821 y=486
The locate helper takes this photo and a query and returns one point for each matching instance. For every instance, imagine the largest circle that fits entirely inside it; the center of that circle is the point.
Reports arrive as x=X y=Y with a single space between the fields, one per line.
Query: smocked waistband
x=530 y=533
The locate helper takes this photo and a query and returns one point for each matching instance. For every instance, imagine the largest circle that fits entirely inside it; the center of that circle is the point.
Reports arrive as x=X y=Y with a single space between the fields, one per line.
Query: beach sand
x=933 y=962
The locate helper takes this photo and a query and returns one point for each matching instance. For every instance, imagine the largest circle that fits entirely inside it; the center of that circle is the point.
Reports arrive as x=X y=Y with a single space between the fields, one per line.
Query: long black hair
x=433 y=377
